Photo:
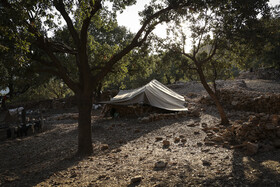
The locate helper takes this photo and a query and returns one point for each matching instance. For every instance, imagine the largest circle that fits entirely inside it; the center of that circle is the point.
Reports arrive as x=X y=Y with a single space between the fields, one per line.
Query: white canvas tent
x=154 y=93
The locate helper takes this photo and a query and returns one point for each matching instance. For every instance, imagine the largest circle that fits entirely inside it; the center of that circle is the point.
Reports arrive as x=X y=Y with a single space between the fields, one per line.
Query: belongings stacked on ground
x=15 y=124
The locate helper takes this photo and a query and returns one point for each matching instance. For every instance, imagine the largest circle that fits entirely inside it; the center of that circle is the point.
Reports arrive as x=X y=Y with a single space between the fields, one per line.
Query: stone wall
x=263 y=73
x=241 y=99
x=129 y=110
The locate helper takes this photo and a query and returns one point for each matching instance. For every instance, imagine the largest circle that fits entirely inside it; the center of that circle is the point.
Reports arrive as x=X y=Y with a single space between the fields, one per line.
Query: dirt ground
x=129 y=153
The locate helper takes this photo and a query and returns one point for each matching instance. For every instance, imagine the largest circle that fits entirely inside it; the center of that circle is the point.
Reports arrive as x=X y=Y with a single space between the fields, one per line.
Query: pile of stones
x=260 y=133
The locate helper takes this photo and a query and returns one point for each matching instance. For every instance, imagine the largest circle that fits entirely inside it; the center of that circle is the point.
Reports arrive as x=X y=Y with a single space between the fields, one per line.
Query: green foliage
x=53 y=89
x=171 y=66
x=106 y=38
x=14 y=68
x=214 y=28
x=268 y=47
x=131 y=72
x=105 y=41
x=258 y=46
x=142 y=70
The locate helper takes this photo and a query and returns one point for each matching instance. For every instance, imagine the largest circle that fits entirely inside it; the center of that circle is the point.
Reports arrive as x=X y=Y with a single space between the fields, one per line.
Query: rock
x=199 y=144
x=174 y=163
x=73 y=175
x=160 y=165
x=215 y=129
x=217 y=138
x=176 y=140
x=104 y=147
x=102 y=176
x=183 y=140
x=206 y=163
x=158 y=139
x=145 y=120
x=201 y=175
x=136 y=179
x=210 y=133
x=234 y=103
x=209 y=143
x=205 y=150
x=191 y=125
x=253 y=119
x=166 y=143
x=116 y=150
x=204 y=125
x=252 y=148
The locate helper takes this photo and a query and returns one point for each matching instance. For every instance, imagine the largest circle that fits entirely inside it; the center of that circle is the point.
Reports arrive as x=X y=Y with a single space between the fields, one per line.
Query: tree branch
x=212 y=53
x=94 y=8
x=196 y=49
x=48 y=70
x=59 y=5
x=188 y=66
x=134 y=43
x=82 y=58
x=188 y=55
x=60 y=47
x=180 y=52
x=44 y=62
x=61 y=71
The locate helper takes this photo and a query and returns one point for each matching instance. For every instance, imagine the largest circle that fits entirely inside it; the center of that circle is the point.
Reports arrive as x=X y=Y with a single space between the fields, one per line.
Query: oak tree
x=31 y=24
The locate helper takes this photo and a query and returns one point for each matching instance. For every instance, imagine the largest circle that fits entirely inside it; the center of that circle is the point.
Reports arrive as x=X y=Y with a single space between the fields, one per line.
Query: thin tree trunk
x=11 y=90
x=168 y=79
x=224 y=119
x=98 y=93
x=84 y=124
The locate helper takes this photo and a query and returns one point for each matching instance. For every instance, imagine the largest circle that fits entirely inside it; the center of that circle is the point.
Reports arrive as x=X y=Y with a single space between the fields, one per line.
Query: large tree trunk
x=224 y=119
x=84 y=124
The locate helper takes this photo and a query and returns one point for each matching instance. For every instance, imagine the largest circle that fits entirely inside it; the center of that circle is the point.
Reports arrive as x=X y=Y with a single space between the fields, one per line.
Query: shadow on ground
x=117 y=132
x=31 y=160
x=258 y=170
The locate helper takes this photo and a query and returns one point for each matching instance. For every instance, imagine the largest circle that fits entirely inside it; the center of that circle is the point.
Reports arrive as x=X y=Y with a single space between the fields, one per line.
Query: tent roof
x=154 y=93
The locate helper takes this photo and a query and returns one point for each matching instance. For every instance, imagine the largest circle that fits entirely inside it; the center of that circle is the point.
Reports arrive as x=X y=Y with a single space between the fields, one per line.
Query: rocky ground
x=166 y=152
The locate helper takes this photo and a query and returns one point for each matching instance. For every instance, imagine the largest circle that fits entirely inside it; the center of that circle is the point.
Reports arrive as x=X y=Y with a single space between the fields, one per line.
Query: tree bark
x=84 y=124
x=224 y=119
